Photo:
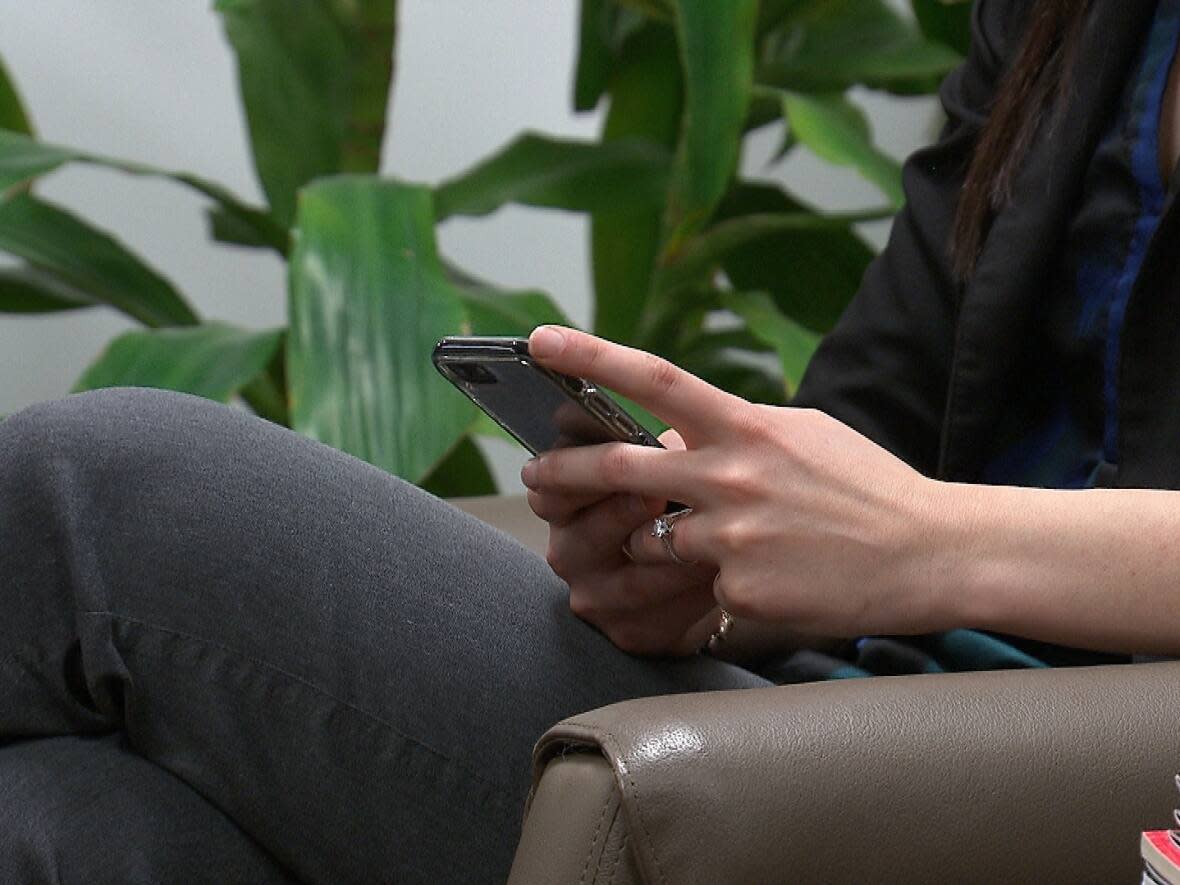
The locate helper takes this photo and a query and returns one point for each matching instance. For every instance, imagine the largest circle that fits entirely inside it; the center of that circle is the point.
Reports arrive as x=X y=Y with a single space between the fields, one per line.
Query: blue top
x=1064 y=423
x=1062 y=428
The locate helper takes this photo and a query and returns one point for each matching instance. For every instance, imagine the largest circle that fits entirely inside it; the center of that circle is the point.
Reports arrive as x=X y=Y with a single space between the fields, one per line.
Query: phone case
x=480 y=350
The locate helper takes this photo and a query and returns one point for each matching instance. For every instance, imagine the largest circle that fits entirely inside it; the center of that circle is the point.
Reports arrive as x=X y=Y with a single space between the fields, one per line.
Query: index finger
x=679 y=398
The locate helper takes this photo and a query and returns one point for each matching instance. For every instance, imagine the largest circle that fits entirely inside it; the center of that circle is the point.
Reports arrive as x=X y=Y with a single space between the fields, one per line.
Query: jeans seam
x=373 y=717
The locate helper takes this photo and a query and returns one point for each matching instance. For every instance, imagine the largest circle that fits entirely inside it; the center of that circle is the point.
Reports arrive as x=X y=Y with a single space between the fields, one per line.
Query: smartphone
x=542 y=409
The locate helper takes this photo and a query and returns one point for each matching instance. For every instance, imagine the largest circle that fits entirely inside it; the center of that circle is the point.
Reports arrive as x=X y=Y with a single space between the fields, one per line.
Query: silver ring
x=714 y=642
x=662 y=528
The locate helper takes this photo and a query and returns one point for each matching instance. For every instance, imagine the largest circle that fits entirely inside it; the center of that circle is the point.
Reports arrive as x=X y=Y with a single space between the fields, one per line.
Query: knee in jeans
x=92 y=428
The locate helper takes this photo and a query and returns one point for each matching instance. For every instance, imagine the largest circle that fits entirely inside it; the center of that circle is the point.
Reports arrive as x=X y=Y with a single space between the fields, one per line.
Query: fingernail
x=546 y=341
x=528 y=473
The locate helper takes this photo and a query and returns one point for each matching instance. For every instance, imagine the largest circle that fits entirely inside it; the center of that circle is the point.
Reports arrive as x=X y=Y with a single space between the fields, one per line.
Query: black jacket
x=923 y=365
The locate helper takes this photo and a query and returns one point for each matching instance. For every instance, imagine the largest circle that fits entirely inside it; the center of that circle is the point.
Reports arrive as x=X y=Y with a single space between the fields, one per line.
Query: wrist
x=943 y=540
x=981 y=553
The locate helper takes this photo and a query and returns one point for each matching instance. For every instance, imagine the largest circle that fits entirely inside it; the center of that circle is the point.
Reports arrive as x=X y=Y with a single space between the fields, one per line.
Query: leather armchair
x=1016 y=776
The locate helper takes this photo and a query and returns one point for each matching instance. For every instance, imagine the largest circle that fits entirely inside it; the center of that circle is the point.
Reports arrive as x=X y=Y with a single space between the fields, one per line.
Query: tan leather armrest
x=1019 y=776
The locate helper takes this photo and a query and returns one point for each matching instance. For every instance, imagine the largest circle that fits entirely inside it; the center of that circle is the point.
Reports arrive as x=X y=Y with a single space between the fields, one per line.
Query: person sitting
x=229 y=653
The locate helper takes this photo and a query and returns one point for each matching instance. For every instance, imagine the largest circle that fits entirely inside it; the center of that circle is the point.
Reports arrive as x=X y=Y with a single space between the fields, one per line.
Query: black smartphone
x=541 y=408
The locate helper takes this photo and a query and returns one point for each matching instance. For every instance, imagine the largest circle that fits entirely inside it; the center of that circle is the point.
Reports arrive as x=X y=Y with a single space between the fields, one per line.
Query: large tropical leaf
x=709 y=250
x=462 y=473
x=595 y=57
x=25 y=289
x=579 y=176
x=811 y=272
x=730 y=358
x=13 y=115
x=838 y=131
x=717 y=52
x=831 y=45
x=23 y=159
x=213 y=360
x=946 y=21
x=604 y=27
x=369 y=299
x=794 y=344
x=84 y=259
x=314 y=78
x=495 y=312
x=660 y=10
x=646 y=100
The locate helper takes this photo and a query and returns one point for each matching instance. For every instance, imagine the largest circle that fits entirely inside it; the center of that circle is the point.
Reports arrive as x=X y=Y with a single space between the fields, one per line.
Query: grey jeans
x=228 y=653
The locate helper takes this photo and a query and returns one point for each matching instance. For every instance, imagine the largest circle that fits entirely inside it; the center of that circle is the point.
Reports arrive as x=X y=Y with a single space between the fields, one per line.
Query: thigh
x=88 y=810
x=352 y=669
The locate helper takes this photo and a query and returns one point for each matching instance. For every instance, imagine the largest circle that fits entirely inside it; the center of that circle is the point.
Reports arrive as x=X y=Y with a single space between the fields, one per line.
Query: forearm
x=1095 y=569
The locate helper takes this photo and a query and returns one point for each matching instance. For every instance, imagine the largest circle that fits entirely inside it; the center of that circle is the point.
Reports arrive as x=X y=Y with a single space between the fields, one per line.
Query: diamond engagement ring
x=662 y=529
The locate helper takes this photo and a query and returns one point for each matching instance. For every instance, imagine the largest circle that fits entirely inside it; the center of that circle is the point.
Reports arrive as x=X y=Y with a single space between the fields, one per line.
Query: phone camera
x=473 y=373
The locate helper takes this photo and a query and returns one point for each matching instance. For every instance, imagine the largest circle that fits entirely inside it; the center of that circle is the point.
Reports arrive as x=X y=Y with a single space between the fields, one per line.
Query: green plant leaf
x=741 y=377
x=266 y=394
x=579 y=176
x=368 y=301
x=774 y=14
x=603 y=27
x=794 y=344
x=717 y=53
x=22 y=159
x=735 y=360
x=496 y=312
x=86 y=259
x=646 y=100
x=712 y=340
x=704 y=253
x=314 y=77
x=463 y=473
x=212 y=360
x=945 y=21
x=660 y=10
x=594 y=53
x=831 y=45
x=836 y=130
x=13 y=115
x=811 y=273
x=247 y=227
x=25 y=289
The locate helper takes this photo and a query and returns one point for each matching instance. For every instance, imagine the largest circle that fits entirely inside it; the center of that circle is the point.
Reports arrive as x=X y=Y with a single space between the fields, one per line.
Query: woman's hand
x=797 y=519
x=653 y=608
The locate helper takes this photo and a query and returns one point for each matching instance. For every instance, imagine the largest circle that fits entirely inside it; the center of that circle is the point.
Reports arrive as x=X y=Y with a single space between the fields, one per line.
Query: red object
x=1163 y=842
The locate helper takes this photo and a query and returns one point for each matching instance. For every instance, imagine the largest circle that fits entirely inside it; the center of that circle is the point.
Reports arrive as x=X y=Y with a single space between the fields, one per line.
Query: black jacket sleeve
x=885 y=368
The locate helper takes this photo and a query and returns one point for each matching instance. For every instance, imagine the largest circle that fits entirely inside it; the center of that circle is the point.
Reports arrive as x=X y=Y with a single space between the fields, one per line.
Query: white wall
x=154 y=81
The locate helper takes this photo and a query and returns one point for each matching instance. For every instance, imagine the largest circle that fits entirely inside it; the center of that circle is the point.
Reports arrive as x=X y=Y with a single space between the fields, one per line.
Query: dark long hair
x=1034 y=86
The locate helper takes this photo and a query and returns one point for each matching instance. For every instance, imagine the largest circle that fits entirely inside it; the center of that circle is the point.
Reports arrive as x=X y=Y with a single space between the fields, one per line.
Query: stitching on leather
x=593 y=729
x=594 y=839
x=299 y=679
x=614 y=867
